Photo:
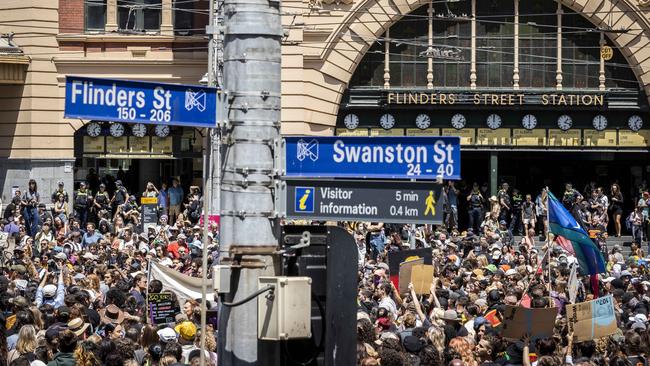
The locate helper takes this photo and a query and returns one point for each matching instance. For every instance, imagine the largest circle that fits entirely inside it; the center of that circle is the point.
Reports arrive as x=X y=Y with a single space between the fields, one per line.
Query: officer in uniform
x=81 y=198
x=516 y=203
x=102 y=201
x=60 y=191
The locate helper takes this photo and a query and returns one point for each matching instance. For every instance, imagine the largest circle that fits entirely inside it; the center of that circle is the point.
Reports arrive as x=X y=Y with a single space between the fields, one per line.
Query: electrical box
x=221 y=279
x=284 y=313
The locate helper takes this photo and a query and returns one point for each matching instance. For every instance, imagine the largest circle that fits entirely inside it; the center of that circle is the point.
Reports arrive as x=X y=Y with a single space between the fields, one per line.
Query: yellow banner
x=93 y=144
x=139 y=144
x=161 y=145
x=383 y=132
x=558 y=137
x=488 y=136
x=595 y=138
x=421 y=132
x=524 y=137
x=117 y=145
x=148 y=200
x=355 y=132
x=627 y=138
x=467 y=135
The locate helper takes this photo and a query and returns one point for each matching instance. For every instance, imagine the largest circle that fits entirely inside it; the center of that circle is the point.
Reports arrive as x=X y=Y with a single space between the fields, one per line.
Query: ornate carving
x=644 y=3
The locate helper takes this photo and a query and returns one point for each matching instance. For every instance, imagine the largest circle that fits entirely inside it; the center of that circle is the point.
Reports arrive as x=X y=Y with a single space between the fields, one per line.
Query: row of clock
x=94 y=129
x=493 y=121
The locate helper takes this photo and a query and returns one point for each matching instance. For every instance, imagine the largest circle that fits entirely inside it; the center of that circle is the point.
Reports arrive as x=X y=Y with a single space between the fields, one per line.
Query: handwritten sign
x=592 y=319
x=488 y=136
x=161 y=308
x=557 y=137
x=355 y=132
x=421 y=276
x=422 y=132
x=525 y=137
x=519 y=321
x=405 y=270
x=467 y=135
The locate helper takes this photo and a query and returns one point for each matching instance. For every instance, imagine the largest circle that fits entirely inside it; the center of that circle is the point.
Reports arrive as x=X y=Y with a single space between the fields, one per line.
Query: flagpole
x=548 y=245
x=146 y=299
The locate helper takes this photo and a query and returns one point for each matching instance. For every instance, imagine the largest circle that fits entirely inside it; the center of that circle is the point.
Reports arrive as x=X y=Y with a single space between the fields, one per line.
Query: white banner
x=184 y=286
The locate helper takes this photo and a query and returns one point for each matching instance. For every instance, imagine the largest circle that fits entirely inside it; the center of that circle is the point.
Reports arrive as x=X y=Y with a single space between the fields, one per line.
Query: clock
x=351 y=121
x=635 y=123
x=422 y=121
x=162 y=130
x=139 y=130
x=387 y=121
x=93 y=129
x=529 y=121
x=117 y=130
x=494 y=121
x=564 y=122
x=458 y=121
x=600 y=122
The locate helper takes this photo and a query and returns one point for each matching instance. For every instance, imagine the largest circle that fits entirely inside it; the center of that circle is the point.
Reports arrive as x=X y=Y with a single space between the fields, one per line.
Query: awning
x=13 y=62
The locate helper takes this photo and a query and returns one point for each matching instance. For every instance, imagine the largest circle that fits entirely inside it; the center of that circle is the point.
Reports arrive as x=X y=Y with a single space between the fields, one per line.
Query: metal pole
x=207 y=193
x=249 y=227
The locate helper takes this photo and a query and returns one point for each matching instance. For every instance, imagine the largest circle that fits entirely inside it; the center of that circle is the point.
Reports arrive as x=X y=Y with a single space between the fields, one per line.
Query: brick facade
x=71 y=16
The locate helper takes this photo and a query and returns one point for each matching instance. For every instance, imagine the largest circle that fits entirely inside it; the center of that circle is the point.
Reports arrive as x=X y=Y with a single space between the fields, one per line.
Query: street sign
x=382 y=201
x=149 y=212
x=373 y=157
x=141 y=102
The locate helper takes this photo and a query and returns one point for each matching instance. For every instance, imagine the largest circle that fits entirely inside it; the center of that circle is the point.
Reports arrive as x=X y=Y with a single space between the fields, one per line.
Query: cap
x=60 y=182
x=61 y=256
x=511 y=272
x=19 y=301
x=118 y=182
x=450 y=315
x=187 y=330
x=502 y=222
x=413 y=344
x=638 y=325
x=167 y=335
x=626 y=273
x=383 y=266
x=49 y=291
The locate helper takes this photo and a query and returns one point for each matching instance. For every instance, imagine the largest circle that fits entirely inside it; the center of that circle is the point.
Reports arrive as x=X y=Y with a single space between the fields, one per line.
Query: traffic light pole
x=249 y=227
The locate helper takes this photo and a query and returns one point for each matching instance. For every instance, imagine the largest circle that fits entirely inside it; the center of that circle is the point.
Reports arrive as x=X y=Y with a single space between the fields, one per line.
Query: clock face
x=529 y=121
x=458 y=121
x=139 y=130
x=387 y=121
x=422 y=121
x=635 y=122
x=351 y=121
x=564 y=122
x=117 y=130
x=162 y=130
x=494 y=121
x=600 y=122
x=93 y=129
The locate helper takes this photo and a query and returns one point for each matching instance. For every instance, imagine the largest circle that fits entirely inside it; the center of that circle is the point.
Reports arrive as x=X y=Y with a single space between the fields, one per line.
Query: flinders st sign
x=495 y=99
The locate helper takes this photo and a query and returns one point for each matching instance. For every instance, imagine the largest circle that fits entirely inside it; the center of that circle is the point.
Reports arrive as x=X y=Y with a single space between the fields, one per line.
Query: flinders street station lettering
x=495 y=99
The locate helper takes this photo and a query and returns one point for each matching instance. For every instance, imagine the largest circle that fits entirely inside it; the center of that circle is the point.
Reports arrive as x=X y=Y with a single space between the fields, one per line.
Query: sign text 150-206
x=156 y=115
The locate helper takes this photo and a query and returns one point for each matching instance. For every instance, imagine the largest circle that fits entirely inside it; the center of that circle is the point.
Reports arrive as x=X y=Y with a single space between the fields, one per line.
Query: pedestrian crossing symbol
x=430 y=203
x=304 y=199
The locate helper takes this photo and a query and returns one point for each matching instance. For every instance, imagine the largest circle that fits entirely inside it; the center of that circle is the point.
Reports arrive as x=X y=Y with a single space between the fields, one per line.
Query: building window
x=183 y=17
x=139 y=15
x=95 y=15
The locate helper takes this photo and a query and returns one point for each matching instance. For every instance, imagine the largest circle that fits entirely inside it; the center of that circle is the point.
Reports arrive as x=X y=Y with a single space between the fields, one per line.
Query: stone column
x=429 y=56
x=558 y=70
x=387 y=60
x=111 y=15
x=166 y=19
x=472 y=68
x=601 y=72
x=515 y=70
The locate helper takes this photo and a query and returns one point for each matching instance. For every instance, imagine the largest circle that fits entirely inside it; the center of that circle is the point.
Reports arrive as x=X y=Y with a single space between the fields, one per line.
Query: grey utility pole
x=249 y=229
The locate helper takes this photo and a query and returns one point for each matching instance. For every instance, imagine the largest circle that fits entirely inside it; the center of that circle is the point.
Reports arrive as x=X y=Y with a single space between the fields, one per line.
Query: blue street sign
x=373 y=157
x=141 y=102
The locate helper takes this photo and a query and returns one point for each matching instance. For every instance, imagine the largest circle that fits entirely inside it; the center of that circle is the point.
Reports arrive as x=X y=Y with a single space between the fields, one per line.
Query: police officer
x=120 y=197
x=81 y=200
x=102 y=200
x=60 y=191
x=517 y=201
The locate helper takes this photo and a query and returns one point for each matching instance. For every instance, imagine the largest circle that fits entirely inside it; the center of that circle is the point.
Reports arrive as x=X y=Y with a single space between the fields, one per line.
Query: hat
x=625 y=273
x=496 y=254
x=167 y=335
x=493 y=198
x=112 y=314
x=181 y=236
x=90 y=256
x=639 y=318
x=118 y=182
x=638 y=325
x=503 y=222
x=21 y=284
x=61 y=256
x=450 y=315
x=413 y=344
x=77 y=326
x=19 y=268
x=491 y=267
x=511 y=272
x=382 y=265
x=19 y=301
x=187 y=330
x=49 y=291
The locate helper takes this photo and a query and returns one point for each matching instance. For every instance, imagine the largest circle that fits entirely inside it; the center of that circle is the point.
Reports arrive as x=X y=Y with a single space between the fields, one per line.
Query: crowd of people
x=74 y=276
x=481 y=270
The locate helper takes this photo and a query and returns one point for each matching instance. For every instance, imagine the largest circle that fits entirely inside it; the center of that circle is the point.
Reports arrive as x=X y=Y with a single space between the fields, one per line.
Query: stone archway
x=326 y=75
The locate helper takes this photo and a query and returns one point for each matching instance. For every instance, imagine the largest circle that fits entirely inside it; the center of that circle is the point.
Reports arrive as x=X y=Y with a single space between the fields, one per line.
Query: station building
x=540 y=92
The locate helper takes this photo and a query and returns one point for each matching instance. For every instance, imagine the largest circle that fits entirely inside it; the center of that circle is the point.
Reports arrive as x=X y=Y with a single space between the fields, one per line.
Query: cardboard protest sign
x=161 y=308
x=405 y=270
x=519 y=321
x=421 y=277
x=592 y=319
x=396 y=258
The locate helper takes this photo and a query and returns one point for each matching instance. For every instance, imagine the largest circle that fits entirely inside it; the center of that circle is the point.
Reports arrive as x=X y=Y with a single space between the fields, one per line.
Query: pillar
x=601 y=71
x=166 y=19
x=111 y=15
x=494 y=173
x=430 y=56
x=515 y=70
x=472 y=69
x=387 y=60
x=558 y=70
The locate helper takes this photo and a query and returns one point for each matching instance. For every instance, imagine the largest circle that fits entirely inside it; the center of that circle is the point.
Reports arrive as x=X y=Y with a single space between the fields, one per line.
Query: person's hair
x=86 y=354
x=155 y=352
x=548 y=361
x=93 y=282
x=167 y=360
x=42 y=354
x=38 y=318
x=155 y=286
x=462 y=347
x=409 y=320
x=133 y=333
x=106 y=347
x=430 y=356
x=437 y=338
x=148 y=336
x=67 y=341
x=114 y=359
x=370 y=361
x=365 y=331
x=174 y=349
x=20 y=361
x=35 y=185
x=390 y=357
x=126 y=348
x=546 y=347
x=26 y=339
